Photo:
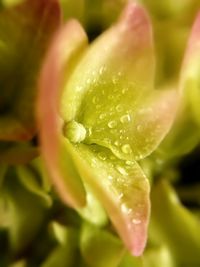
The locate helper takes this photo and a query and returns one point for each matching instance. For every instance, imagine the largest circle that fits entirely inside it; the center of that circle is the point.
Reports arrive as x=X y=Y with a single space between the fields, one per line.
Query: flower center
x=74 y=131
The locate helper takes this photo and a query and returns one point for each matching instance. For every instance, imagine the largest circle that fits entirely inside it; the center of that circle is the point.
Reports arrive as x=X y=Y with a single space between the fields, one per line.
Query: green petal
x=64 y=254
x=66 y=49
x=106 y=66
x=93 y=212
x=190 y=74
x=29 y=178
x=25 y=31
x=20 y=208
x=123 y=190
x=100 y=248
x=175 y=226
x=112 y=96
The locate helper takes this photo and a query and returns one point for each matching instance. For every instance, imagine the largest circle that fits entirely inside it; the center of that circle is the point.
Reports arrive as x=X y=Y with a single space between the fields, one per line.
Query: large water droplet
x=126 y=149
x=125 y=118
x=112 y=124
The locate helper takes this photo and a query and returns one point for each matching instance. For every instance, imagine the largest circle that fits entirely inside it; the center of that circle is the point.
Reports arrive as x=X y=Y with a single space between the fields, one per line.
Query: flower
x=99 y=114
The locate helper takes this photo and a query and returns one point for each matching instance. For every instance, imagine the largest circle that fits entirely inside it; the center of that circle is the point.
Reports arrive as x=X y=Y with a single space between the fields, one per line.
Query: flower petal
x=190 y=75
x=123 y=190
x=67 y=46
x=25 y=32
x=115 y=61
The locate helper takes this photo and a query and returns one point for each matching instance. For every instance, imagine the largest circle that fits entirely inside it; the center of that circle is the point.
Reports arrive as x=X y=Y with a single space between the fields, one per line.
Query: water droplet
x=102 y=155
x=102 y=116
x=136 y=221
x=125 y=118
x=124 y=90
x=117 y=143
x=126 y=149
x=112 y=124
x=119 y=108
x=121 y=170
x=124 y=208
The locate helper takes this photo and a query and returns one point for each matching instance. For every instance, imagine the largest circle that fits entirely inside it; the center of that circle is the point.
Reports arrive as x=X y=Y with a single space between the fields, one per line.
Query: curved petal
x=25 y=32
x=67 y=46
x=122 y=188
x=115 y=61
x=190 y=75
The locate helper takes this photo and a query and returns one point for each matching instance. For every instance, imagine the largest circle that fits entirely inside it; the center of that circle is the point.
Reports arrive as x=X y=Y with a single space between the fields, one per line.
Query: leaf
x=25 y=31
x=175 y=225
x=24 y=213
x=64 y=254
x=66 y=48
x=100 y=248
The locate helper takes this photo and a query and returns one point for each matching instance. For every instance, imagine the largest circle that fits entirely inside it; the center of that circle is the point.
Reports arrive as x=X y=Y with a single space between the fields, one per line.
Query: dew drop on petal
x=116 y=143
x=124 y=208
x=112 y=124
x=126 y=149
x=119 y=108
x=102 y=116
x=125 y=118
